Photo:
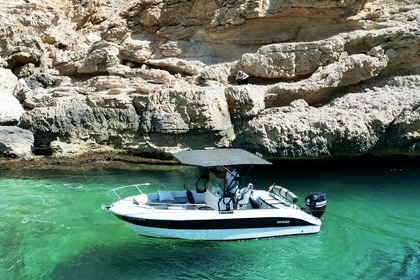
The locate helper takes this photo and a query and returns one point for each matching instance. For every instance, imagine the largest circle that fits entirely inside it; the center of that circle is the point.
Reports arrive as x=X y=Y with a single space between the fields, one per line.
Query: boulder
x=20 y=90
x=16 y=142
x=92 y=56
x=40 y=80
x=10 y=109
x=8 y=81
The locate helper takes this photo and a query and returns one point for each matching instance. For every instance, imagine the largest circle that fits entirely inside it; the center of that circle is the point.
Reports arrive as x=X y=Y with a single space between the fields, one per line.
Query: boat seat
x=244 y=195
x=175 y=207
x=180 y=200
x=274 y=203
x=206 y=207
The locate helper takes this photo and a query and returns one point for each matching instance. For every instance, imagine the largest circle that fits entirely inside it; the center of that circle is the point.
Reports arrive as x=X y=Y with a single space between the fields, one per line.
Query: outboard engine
x=315 y=204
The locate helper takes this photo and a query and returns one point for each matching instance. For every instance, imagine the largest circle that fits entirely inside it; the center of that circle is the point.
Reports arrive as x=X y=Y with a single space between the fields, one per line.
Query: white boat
x=210 y=212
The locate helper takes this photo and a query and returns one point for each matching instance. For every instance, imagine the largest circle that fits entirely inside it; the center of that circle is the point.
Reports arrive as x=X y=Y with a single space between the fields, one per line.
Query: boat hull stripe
x=263 y=222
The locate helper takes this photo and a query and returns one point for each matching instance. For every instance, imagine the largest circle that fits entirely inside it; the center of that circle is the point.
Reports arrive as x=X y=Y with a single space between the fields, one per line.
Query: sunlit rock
x=16 y=142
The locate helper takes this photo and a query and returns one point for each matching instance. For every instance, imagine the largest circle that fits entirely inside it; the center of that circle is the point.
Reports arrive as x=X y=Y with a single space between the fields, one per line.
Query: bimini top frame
x=219 y=157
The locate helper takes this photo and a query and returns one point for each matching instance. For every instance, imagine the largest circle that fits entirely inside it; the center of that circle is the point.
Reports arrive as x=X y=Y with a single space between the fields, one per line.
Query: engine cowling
x=316 y=204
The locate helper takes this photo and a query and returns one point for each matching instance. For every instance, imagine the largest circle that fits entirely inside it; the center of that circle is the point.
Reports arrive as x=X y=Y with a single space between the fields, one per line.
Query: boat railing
x=175 y=205
x=171 y=205
x=137 y=187
x=178 y=206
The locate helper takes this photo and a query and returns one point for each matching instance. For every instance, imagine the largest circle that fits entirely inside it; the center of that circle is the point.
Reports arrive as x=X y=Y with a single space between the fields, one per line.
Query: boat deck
x=178 y=200
x=270 y=200
x=261 y=199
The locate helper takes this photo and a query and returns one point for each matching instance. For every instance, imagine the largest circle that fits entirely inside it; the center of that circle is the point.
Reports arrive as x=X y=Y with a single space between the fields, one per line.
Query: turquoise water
x=52 y=227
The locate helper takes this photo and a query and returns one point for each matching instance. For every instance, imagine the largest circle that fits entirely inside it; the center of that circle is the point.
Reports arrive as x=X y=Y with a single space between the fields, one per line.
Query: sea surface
x=52 y=227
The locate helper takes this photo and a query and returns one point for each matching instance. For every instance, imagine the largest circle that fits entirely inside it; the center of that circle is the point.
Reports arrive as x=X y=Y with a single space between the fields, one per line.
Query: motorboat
x=212 y=210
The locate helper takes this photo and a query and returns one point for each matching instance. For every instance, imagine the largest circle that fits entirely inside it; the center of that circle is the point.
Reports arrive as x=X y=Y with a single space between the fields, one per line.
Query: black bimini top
x=219 y=157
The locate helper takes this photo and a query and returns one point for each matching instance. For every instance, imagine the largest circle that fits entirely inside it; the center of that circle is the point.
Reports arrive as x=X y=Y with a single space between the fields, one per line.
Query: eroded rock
x=151 y=77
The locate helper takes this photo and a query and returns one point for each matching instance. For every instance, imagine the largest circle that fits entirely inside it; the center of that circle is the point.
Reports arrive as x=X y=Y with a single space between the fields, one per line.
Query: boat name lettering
x=136 y=219
x=283 y=222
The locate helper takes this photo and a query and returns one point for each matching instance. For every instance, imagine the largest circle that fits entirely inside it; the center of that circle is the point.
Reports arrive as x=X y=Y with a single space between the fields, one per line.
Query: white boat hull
x=223 y=234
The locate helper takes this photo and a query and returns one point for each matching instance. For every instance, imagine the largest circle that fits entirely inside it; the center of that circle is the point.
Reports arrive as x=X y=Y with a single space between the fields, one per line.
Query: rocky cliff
x=150 y=77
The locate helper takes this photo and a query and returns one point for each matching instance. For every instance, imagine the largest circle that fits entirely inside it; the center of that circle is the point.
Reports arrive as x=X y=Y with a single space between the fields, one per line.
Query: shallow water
x=52 y=227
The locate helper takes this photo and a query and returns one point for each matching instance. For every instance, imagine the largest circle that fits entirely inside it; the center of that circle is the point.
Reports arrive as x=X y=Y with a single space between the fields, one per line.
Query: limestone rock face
x=150 y=77
x=291 y=60
x=302 y=131
x=70 y=122
x=155 y=75
x=381 y=120
x=245 y=102
x=404 y=133
x=179 y=111
x=348 y=70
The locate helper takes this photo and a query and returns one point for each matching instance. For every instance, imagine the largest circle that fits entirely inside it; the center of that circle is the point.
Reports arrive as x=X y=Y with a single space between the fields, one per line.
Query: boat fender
x=106 y=207
x=190 y=197
x=285 y=193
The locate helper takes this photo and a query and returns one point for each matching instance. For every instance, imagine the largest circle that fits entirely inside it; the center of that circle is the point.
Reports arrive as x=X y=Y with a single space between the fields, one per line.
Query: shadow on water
x=392 y=267
x=411 y=261
x=151 y=258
